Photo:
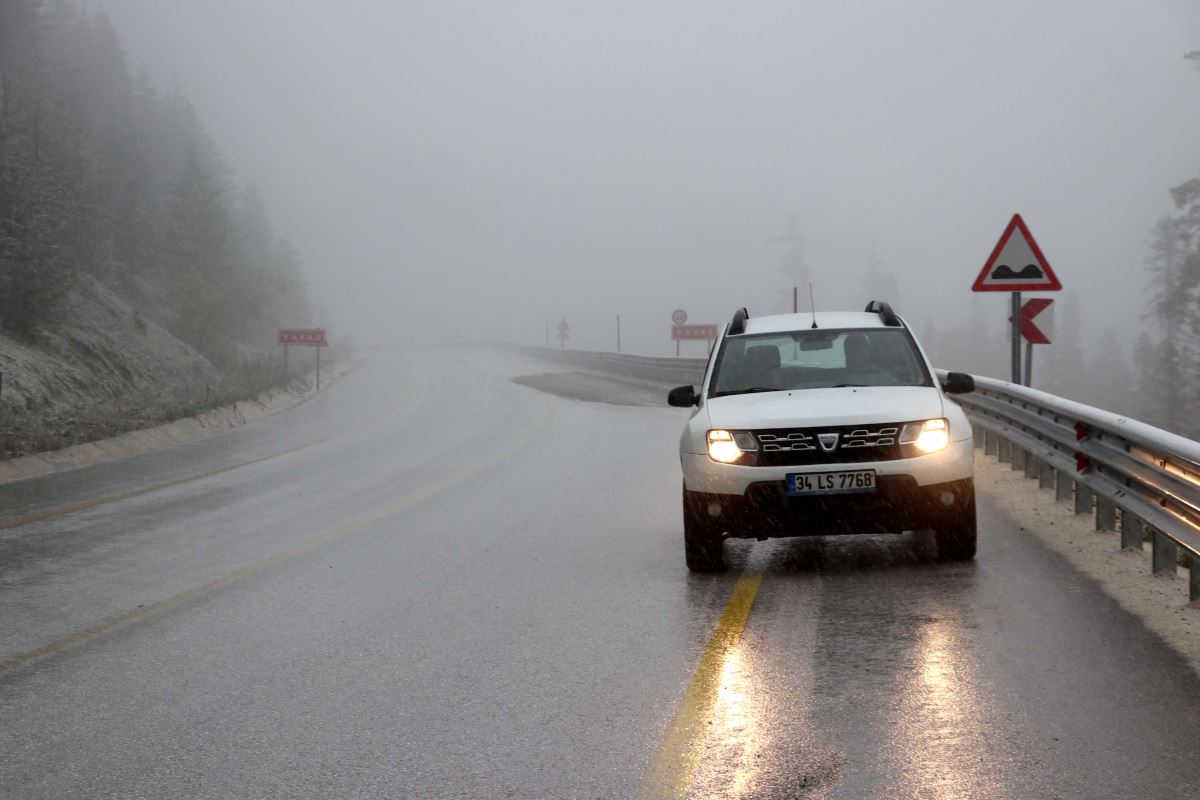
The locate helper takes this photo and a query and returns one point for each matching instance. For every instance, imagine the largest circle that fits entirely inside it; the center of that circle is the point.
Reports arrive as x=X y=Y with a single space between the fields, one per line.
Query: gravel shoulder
x=1160 y=601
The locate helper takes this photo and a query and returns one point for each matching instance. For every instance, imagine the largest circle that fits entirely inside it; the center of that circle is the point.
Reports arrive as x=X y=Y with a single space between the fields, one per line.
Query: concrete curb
x=189 y=429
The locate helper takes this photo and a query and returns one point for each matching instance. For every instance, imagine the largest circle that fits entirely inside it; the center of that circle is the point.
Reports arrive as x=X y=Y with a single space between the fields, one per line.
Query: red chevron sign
x=1029 y=330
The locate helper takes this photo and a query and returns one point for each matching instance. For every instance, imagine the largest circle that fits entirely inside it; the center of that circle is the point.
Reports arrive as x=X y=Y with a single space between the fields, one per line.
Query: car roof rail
x=739 y=322
x=885 y=313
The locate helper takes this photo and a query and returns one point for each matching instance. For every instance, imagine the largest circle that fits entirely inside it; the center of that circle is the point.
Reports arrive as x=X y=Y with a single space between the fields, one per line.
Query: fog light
x=714 y=509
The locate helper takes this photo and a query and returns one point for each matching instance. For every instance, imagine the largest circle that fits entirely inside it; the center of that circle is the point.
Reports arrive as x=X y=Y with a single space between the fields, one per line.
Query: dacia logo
x=829 y=441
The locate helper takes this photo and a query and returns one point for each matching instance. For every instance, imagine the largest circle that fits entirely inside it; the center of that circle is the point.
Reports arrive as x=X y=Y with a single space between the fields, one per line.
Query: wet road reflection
x=869 y=670
x=529 y=630
x=736 y=739
x=852 y=679
x=938 y=713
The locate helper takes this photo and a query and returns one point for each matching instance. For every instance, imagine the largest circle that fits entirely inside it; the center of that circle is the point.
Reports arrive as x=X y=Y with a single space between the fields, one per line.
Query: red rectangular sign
x=686 y=333
x=309 y=336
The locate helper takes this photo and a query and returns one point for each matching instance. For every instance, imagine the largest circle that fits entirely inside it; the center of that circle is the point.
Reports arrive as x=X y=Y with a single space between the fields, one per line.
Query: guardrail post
x=1133 y=531
x=1064 y=485
x=977 y=434
x=1106 y=515
x=1019 y=457
x=1032 y=466
x=1083 y=499
x=1166 y=554
x=1045 y=475
x=1005 y=451
x=1194 y=581
x=991 y=443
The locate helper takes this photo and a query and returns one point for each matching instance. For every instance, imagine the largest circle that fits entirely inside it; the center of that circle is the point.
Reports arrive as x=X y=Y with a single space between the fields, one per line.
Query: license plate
x=856 y=482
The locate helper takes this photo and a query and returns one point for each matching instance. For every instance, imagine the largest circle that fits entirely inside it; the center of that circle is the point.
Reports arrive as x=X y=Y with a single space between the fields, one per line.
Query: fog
x=455 y=171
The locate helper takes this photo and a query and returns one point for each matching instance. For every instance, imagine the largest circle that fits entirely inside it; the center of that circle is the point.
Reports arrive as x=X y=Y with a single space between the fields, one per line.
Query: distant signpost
x=311 y=337
x=564 y=333
x=1017 y=265
x=682 y=332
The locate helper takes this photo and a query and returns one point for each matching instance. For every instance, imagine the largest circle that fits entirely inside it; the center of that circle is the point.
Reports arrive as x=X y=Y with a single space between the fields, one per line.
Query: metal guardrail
x=679 y=370
x=1102 y=461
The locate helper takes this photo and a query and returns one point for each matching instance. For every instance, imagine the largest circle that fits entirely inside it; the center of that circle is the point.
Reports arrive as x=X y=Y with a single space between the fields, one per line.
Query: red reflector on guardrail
x=1081 y=431
x=1081 y=462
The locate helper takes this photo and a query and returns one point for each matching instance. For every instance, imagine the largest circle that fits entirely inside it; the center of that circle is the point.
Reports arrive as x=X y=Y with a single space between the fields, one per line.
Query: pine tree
x=1110 y=382
x=1066 y=373
x=880 y=283
x=1170 y=310
x=200 y=257
x=793 y=266
x=104 y=176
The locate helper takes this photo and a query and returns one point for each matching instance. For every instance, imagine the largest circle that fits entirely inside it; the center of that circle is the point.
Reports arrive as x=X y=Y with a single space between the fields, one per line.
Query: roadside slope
x=105 y=370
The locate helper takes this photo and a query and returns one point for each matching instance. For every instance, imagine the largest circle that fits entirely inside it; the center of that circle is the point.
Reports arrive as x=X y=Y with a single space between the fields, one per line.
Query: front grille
x=855 y=443
x=794 y=441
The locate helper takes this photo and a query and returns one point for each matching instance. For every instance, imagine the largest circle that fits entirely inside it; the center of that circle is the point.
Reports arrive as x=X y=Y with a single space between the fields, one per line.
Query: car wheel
x=956 y=533
x=703 y=548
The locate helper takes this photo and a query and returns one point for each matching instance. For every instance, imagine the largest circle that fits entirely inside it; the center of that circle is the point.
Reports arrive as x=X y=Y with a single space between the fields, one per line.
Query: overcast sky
x=472 y=170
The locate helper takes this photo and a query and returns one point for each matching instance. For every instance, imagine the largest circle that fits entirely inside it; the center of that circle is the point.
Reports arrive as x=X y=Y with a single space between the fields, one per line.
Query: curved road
x=431 y=581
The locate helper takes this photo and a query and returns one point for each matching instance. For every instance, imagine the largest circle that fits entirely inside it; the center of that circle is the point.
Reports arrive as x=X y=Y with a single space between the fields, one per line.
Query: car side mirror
x=958 y=383
x=682 y=397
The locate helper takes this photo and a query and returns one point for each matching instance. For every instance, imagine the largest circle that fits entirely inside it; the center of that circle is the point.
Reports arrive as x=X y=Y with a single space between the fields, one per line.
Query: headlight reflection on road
x=938 y=733
x=736 y=740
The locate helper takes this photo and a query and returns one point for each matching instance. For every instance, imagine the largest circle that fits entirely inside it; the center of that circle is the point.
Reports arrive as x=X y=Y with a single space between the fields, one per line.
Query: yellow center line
x=342 y=532
x=671 y=773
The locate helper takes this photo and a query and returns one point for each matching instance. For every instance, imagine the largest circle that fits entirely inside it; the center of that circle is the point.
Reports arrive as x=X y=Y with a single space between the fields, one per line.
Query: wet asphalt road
x=433 y=582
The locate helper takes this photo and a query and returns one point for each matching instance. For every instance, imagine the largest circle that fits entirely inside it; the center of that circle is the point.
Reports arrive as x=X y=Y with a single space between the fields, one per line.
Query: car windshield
x=818 y=359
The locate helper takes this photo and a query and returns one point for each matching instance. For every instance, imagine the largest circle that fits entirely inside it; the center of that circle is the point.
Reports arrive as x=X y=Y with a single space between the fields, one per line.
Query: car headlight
x=928 y=436
x=730 y=447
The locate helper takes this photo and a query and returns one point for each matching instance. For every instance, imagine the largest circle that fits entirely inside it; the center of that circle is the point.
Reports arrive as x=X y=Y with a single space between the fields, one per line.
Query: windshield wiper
x=844 y=385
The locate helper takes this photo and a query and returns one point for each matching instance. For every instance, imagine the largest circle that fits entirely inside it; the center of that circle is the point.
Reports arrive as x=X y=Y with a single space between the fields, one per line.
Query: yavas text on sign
x=309 y=336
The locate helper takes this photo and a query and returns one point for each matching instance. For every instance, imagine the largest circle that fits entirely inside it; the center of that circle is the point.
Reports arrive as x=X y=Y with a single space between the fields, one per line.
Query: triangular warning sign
x=1017 y=264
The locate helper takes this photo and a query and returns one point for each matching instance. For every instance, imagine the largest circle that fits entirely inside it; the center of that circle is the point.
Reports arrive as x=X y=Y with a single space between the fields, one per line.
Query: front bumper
x=911 y=494
x=766 y=510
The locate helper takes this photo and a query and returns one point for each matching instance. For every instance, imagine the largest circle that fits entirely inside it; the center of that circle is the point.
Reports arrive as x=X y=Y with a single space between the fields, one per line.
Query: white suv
x=831 y=423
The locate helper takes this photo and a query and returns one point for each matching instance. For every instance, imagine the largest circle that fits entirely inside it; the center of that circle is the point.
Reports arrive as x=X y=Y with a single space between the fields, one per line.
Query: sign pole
x=1016 y=338
x=318 y=369
x=795 y=299
x=285 y=369
x=618 y=333
x=1018 y=265
x=1029 y=363
x=677 y=348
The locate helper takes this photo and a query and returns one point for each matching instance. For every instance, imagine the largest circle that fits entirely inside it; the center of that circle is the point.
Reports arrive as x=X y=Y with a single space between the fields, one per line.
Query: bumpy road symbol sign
x=1017 y=264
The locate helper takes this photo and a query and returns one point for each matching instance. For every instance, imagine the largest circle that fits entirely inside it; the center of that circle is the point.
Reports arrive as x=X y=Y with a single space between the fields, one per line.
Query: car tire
x=703 y=547
x=957 y=532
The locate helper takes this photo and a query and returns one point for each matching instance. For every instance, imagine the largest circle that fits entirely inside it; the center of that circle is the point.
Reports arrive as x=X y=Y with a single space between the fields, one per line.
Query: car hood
x=805 y=408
